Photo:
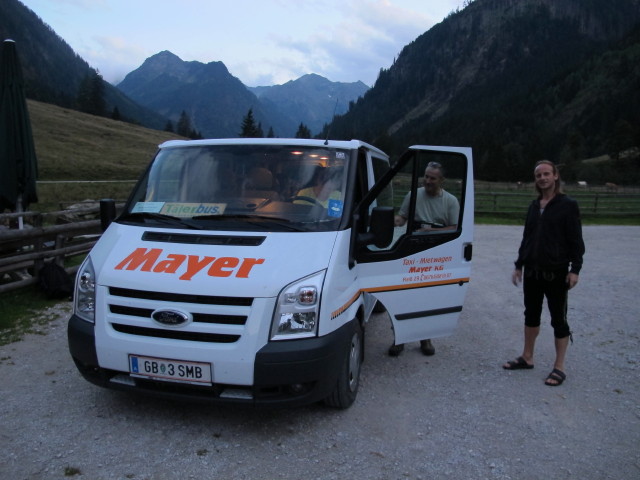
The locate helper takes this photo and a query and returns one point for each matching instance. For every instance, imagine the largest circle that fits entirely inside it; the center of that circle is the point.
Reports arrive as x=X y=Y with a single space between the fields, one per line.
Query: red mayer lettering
x=151 y=260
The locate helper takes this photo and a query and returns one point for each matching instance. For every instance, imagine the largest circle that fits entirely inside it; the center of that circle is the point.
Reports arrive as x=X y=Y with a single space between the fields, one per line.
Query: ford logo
x=171 y=318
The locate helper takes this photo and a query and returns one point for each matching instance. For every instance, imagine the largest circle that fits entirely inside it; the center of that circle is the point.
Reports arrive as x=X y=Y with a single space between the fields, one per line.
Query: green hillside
x=71 y=145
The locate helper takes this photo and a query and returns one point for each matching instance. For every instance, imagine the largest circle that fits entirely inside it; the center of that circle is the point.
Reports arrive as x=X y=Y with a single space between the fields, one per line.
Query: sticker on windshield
x=193 y=209
x=335 y=208
x=147 y=207
x=340 y=155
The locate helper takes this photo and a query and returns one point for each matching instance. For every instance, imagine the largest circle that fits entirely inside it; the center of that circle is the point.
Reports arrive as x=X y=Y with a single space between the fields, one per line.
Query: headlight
x=85 y=297
x=296 y=315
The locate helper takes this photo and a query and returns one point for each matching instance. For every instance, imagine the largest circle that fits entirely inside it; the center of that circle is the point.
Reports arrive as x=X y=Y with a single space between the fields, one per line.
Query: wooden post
x=37 y=245
x=60 y=240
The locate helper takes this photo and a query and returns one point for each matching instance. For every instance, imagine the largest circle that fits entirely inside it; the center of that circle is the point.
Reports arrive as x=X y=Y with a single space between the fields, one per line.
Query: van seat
x=259 y=184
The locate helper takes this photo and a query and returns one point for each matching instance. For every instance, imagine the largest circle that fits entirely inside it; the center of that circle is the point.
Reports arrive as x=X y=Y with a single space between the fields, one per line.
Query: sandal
x=557 y=377
x=517 y=364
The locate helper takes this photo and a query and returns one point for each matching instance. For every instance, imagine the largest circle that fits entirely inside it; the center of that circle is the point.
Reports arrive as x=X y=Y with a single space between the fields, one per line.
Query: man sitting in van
x=324 y=187
x=436 y=210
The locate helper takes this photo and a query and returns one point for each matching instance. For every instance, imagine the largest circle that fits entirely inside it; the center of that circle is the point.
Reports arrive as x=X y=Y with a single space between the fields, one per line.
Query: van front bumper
x=292 y=372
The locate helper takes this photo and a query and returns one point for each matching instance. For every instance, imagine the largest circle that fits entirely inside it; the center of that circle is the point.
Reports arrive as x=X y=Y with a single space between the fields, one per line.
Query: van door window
x=427 y=196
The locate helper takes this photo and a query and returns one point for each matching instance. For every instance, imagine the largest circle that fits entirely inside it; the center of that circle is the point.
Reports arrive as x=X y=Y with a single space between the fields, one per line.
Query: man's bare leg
x=561 y=350
x=530 y=336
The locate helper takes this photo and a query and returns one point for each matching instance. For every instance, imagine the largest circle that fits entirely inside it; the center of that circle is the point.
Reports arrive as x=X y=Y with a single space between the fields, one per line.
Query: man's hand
x=516 y=277
x=572 y=280
x=399 y=220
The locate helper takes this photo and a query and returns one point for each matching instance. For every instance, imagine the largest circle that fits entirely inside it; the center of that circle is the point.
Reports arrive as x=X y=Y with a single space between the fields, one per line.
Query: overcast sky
x=262 y=42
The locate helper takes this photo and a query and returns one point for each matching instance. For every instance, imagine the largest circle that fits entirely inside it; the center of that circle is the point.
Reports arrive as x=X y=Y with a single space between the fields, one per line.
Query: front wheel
x=346 y=389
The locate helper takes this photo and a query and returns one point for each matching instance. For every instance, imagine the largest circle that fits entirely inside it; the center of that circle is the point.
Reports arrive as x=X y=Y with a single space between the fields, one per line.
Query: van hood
x=212 y=263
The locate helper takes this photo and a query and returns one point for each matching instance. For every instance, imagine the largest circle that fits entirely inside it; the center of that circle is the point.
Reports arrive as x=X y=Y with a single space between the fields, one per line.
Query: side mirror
x=107 y=212
x=380 y=228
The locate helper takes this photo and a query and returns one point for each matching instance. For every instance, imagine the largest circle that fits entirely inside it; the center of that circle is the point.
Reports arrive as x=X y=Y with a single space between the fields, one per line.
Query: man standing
x=436 y=210
x=551 y=253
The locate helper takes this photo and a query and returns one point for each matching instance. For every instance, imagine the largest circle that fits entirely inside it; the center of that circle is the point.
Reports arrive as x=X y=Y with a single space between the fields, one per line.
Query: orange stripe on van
x=343 y=308
x=417 y=285
x=391 y=288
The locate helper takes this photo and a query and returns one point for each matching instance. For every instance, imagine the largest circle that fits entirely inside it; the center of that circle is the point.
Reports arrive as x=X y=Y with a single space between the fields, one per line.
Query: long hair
x=557 y=188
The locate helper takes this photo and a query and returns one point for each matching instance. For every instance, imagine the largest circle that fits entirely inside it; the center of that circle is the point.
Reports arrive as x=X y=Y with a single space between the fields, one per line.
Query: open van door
x=418 y=270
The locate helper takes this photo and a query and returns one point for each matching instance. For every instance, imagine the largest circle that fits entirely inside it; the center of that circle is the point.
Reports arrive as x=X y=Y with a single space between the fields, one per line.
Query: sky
x=261 y=42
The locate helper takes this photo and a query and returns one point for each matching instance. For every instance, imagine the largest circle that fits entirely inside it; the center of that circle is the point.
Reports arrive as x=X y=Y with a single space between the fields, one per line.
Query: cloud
x=366 y=38
x=85 y=4
x=116 y=55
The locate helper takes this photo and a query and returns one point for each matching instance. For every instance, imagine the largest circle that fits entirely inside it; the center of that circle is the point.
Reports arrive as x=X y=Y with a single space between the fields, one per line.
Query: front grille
x=175 y=334
x=197 y=317
x=216 y=319
x=180 y=297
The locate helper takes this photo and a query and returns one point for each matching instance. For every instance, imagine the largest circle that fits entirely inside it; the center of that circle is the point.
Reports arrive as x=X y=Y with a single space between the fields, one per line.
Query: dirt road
x=456 y=415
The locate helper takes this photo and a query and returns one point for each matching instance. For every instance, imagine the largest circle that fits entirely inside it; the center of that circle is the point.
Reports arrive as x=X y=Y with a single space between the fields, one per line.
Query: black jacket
x=552 y=240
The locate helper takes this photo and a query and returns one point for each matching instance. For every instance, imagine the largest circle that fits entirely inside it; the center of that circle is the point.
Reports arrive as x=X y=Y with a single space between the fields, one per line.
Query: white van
x=245 y=270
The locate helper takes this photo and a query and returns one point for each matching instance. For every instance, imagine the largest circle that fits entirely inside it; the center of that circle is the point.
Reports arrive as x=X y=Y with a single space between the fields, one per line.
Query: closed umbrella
x=18 y=162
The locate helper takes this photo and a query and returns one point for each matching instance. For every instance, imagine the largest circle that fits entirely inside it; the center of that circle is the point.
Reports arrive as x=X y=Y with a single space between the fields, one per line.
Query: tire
x=346 y=389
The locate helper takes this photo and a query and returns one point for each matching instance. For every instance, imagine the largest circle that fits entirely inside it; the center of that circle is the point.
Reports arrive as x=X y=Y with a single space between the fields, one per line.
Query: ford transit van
x=246 y=270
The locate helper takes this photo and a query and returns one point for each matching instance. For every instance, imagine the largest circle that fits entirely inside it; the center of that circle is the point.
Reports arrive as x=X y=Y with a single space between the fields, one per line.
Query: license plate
x=196 y=373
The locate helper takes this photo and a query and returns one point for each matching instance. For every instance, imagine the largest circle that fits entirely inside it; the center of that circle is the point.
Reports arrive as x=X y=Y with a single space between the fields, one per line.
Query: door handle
x=468 y=251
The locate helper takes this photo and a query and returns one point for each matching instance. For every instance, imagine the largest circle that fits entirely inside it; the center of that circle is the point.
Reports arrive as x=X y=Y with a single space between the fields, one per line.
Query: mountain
x=53 y=72
x=503 y=76
x=165 y=86
x=311 y=99
x=216 y=101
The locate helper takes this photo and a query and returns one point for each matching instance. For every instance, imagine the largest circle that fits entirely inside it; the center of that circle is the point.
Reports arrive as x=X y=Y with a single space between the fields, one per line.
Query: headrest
x=260 y=179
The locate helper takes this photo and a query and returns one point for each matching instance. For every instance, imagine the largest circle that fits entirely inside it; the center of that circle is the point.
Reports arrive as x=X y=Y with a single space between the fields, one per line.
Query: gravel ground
x=456 y=415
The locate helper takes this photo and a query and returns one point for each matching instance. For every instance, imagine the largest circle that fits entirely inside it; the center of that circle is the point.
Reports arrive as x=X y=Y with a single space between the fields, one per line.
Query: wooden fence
x=592 y=205
x=54 y=236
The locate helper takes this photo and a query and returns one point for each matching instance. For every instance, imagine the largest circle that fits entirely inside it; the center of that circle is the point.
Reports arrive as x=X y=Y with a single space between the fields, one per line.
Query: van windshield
x=242 y=187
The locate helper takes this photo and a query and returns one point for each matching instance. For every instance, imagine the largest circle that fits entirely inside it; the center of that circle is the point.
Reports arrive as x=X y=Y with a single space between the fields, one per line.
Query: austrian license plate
x=196 y=373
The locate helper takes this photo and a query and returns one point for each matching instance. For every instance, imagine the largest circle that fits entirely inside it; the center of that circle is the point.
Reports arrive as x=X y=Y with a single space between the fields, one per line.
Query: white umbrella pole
x=19 y=210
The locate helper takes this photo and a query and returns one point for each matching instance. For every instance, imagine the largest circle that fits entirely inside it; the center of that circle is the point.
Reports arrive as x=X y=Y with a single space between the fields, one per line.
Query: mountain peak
x=311 y=99
x=163 y=60
x=165 y=54
x=312 y=78
x=159 y=64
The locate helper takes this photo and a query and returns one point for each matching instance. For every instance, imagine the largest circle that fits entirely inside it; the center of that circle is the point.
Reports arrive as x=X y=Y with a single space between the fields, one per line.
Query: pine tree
x=97 y=95
x=90 y=98
x=303 y=131
x=184 y=125
x=249 y=128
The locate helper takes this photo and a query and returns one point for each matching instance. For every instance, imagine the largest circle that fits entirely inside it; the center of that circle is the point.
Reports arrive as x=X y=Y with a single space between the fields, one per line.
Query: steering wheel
x=306 y=199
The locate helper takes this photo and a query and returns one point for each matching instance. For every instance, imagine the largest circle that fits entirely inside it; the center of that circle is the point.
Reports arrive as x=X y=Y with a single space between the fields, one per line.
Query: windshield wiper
x=161 y=217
